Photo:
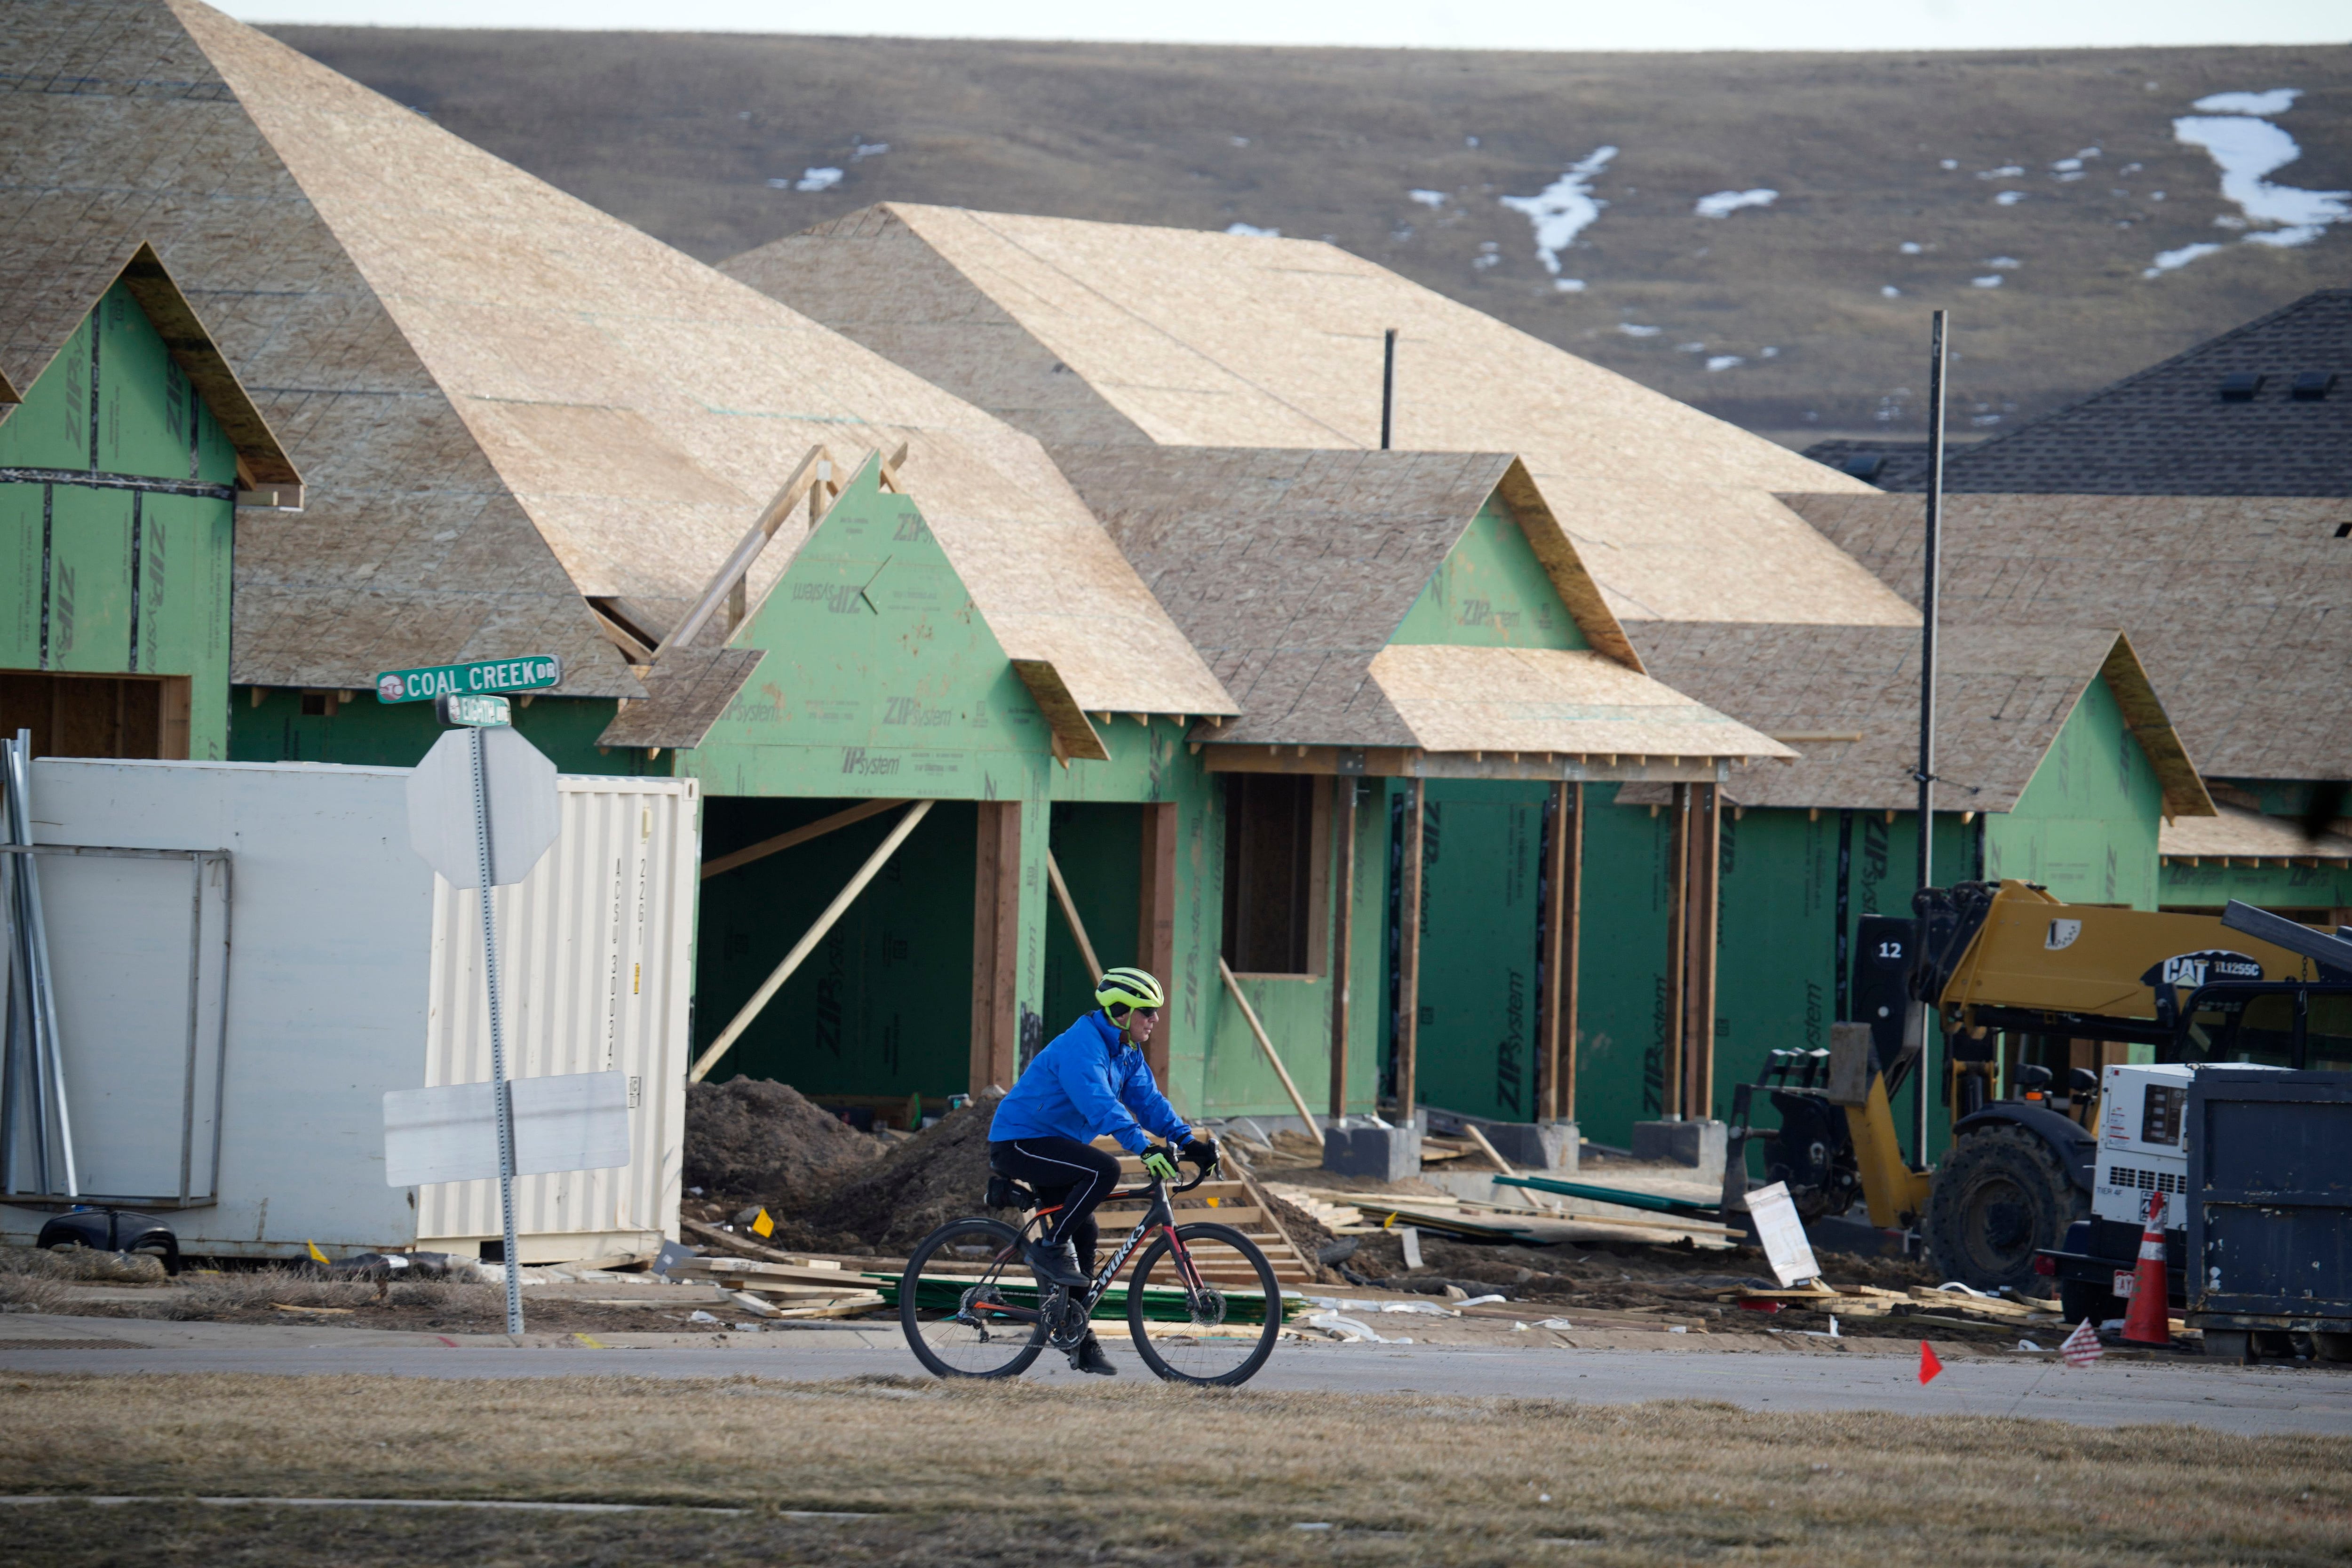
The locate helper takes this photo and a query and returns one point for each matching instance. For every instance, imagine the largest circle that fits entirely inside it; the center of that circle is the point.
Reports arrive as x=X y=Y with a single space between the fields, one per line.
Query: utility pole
x=1930 y=563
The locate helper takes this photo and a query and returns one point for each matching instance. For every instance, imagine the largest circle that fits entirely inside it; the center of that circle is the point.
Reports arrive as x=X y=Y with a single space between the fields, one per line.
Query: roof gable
x=1490 y=591
x=38 y=285
x=1212 y=340
x=881 y=676
x=1847 y=699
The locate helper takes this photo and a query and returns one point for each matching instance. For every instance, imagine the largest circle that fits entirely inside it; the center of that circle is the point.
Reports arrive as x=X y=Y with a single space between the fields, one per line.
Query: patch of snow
x=1632 y=330
x=1911 y=247
x=1990 y=281
x=1723 y=203
x=2156 y=195
x=2008 y=199
x=2005 y=263
x=2087 y=152
x=1481 y=263
x=1251 y=231
x=2301 y=234
x=1428 y=198
x=869 y=149
x=1983 y=420
x=2232 y=221
x=816 y=180
x=1469 y=141
x=1889 y=291
x=2130 y=169
x=1948 y=164
x=2006 y=172
x=2247 y=150
x=1564 y=208
x=2278 y=100
x=1772 y=353
x=1690 y=348
x=1240 y=141
x=1724 y=361
x=1569 y=284
x=2067 y=165
x=2174 y=260
x=2068 y=179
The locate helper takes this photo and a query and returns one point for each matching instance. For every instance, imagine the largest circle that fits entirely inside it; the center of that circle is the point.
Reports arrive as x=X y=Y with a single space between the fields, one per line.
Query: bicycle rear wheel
x=968 y=1304
x=1209 y=1313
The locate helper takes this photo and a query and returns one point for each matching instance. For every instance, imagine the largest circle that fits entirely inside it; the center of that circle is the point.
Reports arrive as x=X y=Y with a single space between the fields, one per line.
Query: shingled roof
x=504 y=399
x=2265 y=409
x=1291 y=569
x=1847 y=699
x=1104 y=332
x=2241 y=607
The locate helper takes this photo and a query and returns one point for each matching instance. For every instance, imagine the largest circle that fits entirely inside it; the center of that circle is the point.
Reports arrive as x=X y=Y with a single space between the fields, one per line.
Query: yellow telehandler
x=2026 y=1187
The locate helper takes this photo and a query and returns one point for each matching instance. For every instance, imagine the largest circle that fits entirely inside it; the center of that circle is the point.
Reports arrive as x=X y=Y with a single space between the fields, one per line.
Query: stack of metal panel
x=34 y=1119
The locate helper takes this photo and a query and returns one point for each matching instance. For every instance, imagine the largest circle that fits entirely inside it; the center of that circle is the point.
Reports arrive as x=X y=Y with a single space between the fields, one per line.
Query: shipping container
x=233 y=1009
x=2270 y=1210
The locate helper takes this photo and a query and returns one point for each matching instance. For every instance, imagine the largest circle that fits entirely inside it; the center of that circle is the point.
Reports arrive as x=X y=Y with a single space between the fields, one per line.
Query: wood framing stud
x=1407 y=1021
x=1343 y=930
x=1155 y=923
x=996 y=946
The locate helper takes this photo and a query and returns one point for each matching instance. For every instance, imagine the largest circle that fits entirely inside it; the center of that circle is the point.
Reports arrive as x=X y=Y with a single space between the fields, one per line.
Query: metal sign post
x=488 y=778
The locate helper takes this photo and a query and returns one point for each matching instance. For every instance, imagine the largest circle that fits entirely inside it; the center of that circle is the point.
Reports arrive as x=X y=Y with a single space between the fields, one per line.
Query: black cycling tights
x=1061 y=1171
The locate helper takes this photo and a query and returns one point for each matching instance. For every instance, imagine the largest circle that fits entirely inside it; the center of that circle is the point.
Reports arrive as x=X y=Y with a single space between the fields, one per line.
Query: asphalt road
x=2112 y=1392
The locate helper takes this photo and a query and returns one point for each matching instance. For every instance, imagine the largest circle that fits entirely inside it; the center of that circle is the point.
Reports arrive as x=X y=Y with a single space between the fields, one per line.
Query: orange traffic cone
x=2149 y=1320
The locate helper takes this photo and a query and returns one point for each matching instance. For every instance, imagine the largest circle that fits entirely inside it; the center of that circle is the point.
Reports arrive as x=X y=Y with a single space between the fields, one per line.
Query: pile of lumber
x=1360 y=1212
x=1932 y=1305
x=786 y=1290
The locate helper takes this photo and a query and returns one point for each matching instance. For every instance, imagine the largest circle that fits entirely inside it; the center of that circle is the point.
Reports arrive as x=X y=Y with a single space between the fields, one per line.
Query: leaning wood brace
x=807 y=944
x=1070 y=913
x=814 y=478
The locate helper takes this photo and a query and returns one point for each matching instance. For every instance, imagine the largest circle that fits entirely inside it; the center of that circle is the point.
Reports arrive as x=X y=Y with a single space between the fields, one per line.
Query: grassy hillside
x=704 y=139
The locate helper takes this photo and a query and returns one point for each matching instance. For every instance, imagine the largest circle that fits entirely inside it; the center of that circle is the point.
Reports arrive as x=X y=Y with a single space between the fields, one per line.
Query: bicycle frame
x=1161 y=1216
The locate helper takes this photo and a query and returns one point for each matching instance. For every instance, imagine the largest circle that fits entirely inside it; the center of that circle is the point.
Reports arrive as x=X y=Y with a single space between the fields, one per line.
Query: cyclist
x=1091 y=1082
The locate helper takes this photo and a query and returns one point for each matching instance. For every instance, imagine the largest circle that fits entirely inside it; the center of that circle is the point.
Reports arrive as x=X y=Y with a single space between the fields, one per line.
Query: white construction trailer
x=247 y=956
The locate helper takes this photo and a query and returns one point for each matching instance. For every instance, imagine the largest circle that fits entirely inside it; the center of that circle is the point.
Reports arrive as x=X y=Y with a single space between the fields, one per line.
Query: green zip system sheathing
x=2318 y=895
x=2085 y=827
x=107 y=574
x=1490 y=591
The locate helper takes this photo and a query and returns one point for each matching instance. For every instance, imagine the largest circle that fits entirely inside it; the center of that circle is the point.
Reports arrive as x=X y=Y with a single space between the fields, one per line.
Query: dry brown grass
x=1140 y=1474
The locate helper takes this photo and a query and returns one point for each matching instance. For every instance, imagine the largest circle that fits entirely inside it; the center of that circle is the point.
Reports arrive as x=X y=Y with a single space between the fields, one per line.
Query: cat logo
x=2062 y=934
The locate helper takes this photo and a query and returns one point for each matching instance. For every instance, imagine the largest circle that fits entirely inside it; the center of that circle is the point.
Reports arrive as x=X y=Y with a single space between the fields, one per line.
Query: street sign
x=570 y=1122
x=520 y=796
x=532 y=672
x=479 y=712
x=482 y=809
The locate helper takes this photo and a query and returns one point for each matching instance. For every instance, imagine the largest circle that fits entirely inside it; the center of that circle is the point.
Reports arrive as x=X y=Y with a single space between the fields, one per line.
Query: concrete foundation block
x=1360 y=1149
x=1699 y=1144
x=1535 y=1145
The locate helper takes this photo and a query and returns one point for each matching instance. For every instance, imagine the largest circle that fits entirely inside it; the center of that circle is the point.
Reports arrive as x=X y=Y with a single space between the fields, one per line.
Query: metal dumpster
x=2270 y=1216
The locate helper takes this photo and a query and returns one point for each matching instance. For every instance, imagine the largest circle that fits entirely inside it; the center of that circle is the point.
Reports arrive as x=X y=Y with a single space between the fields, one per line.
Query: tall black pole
x=1930 y=563
x=1388 y=389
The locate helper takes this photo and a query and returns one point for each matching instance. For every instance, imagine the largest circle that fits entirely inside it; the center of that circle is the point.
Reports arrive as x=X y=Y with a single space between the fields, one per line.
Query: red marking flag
x=1928 y=1365
x=2082 y=1346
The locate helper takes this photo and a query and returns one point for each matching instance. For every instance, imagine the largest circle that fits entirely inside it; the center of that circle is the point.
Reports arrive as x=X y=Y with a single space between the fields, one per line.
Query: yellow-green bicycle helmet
x=1122 y=990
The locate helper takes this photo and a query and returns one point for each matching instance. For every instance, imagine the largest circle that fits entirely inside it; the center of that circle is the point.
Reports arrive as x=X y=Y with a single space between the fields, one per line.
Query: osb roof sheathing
x=1092 y=332
x=1290 y=570
x=2239 y=833
x=1847 y=699
x=2241 y=607
x=533 y=400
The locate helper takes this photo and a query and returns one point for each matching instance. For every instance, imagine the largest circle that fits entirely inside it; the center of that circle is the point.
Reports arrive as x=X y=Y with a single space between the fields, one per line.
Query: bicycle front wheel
x=1207 y=1310
x=968 y=1304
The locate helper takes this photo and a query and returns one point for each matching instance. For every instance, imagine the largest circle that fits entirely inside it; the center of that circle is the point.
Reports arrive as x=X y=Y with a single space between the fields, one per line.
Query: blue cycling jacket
x=1090 y=1083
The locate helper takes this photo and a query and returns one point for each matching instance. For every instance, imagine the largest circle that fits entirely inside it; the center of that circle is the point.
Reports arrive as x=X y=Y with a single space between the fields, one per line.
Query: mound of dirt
x=939 y=1174
x=754 y=1138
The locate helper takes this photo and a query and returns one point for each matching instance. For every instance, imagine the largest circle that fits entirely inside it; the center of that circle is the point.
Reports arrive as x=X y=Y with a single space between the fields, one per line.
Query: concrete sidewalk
x=1857 y=1376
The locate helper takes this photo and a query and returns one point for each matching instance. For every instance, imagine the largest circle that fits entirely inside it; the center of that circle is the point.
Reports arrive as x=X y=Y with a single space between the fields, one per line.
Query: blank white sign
x=570 y=1121
x=1783 y=1232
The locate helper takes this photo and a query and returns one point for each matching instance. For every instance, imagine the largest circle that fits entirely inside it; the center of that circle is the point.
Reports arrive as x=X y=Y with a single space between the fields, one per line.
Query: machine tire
x=2001 y=1195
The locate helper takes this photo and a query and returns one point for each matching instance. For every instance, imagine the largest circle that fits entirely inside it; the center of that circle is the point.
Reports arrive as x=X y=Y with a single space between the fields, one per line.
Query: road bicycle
x=971 y=1308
